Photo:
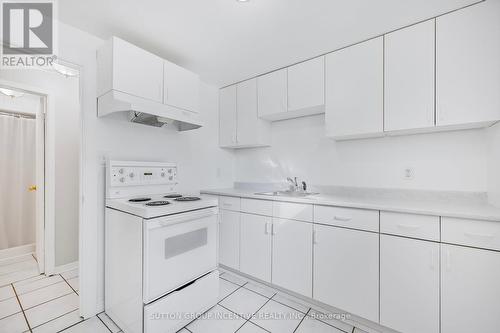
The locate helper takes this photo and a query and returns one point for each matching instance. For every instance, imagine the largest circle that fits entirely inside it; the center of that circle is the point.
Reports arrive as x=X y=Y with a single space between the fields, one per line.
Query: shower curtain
x=17 y=173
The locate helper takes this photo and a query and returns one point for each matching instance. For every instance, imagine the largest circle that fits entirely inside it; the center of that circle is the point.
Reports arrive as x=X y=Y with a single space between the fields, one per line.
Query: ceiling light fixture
x=11 y=93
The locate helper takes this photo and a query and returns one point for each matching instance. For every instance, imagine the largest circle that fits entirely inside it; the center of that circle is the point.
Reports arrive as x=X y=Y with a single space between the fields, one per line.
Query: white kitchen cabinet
x=229 y=238
x=467 y=65
x=292 y=255
x=409 y=284
x=409 y=78
x=227 y=116
x=255 y=251
x=126 y=68
x=306 y=86
x=272 y=95
x=354 y=91
x=346 y=270
x=251 y=130
x=470 y=291
x=181 y=87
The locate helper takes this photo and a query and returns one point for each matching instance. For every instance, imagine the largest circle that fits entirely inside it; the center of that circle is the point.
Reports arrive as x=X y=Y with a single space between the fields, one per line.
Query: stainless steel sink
x=287 y=193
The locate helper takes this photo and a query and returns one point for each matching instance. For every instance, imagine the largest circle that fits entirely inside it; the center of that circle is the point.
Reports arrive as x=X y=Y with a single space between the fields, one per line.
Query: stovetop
x=156 y=205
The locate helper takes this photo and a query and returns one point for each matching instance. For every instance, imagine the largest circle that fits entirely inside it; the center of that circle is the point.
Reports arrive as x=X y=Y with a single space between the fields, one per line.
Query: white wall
x=201 y=163
x=25 y=104
x=494 y=166
x=441 y=161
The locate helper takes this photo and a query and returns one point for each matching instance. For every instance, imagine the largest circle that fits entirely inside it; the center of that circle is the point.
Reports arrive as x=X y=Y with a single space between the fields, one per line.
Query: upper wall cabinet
x=181 y=87
x=468 y=65
x=239 y=124
x=126 y=68
x=354 y=91
x=272 y=95
x=409 y=78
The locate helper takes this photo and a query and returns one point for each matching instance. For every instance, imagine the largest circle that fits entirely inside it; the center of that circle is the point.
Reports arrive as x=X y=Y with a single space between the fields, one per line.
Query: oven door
x=178 y=249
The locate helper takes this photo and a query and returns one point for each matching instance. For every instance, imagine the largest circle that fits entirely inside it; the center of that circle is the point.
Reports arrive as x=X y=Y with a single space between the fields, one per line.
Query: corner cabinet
x=239 y=123
x=354 y=91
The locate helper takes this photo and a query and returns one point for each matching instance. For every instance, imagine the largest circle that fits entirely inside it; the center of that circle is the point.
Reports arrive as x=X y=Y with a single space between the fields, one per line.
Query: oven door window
x=183 y=243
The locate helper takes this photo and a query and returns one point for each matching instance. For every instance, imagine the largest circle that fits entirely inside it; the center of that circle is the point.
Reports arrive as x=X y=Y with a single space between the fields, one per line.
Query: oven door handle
x=180 y=218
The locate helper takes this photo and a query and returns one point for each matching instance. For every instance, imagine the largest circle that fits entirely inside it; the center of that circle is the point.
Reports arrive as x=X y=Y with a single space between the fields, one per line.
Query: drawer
x=256 y=206
x=229 y=203
x=173 y=311
x=293 y=211
x=410 y=225
x=477 y=233
x=362 y=219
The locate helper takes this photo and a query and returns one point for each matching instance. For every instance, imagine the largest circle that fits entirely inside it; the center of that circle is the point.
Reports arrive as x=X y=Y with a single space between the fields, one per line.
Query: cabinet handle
x=340 y=218
x=166 y=93
x=267 y=229
x=273 y=229
x=315 y=237
x=408 y=227
x=480 y=236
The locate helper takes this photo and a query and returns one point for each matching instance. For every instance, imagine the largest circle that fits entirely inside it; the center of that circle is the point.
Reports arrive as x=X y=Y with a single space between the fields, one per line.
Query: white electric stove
x=161 y=249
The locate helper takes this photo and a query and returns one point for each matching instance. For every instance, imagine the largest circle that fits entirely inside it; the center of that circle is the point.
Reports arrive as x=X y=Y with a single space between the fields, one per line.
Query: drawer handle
x=341 y=218
x=480 y=236
x=315 y=237
x=408 y=227
x=267 y=230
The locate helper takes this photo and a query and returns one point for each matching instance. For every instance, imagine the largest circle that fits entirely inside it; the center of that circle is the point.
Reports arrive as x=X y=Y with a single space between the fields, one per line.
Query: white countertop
x=414 y=202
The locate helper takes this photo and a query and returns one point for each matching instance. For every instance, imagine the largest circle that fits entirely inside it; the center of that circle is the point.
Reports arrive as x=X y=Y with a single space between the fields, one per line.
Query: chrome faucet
x=294 y=185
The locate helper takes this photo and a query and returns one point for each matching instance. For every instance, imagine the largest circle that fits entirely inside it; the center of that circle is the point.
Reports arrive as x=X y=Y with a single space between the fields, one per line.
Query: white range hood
x=147 y=112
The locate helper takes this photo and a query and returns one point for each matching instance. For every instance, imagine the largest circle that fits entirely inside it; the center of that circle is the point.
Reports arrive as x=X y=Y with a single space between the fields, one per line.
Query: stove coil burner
x=172 y=196
x=157 y=203
x=187 y=199
x=139 y=199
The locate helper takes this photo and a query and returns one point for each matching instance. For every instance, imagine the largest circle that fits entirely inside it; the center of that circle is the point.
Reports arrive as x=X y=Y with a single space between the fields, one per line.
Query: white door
x=255 y=249
x=272 y=94
x=306 y=84
x=346 y=270
x=40 y=186
x=468 y=70
x=354 y=90
x=409 y=284
x=136 y=71
x=181 y=87
x=227 y=116
x=470 y=290
x=292 y=255
x=409 y=77
x=229 y=239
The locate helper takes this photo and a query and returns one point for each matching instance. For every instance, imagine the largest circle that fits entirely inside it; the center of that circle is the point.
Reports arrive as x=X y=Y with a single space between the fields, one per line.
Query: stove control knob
x=169 y=170
x=170 y=178
x=122 y=179
x=121 y=171
x=131 y=175
x=163 y=174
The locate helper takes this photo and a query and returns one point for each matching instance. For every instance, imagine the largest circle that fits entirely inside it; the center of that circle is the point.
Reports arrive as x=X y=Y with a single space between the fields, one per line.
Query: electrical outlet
x=408 y=173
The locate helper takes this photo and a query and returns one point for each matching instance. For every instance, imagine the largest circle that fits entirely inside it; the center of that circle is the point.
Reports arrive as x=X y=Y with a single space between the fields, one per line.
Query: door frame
x=45 y=226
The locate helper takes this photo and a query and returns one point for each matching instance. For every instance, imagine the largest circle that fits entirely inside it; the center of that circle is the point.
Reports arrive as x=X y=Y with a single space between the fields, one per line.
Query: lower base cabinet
x=255 y=250
x=229 y=238
x=292 y=255
x=346 y=270
x=470 y=290
x=409 y=284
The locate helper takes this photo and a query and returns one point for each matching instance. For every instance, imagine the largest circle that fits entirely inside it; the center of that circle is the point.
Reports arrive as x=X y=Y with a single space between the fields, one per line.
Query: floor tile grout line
x=50 y=300
x=12 y=314
x=68 y=284
x=102 y=321
x=21 y=280
x=300 y=323
x=81 y=321
x=291 y=307
x=248 y=320
x=22 y=310
x=58 y=318
x=36 y=289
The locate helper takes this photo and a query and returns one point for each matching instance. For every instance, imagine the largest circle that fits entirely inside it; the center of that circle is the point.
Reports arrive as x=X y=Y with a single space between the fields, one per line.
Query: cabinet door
x=468 y=69
x=346 y=270
x=306 y=84
x=292 y=256
x=409 y=78
x=470 y=290
x=229 y=239
x=409 y=284
x=227 y=116
x=251 y=130
x=181 y=87
x=255 y=251
x=354 y=90
x=136 y=71
x=272 y=94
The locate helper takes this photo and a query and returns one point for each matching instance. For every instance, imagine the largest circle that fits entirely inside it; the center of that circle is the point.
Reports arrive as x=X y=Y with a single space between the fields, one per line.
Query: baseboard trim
x=17 y=251
x=66 y=267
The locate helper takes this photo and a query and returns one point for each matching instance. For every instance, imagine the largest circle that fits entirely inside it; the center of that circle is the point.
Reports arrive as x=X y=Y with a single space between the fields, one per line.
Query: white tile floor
x=34 y=303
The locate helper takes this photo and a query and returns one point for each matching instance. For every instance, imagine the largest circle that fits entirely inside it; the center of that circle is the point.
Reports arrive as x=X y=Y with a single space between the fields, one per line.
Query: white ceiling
x=226 y=41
